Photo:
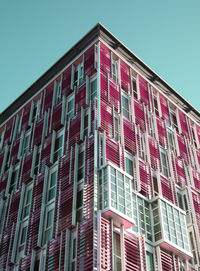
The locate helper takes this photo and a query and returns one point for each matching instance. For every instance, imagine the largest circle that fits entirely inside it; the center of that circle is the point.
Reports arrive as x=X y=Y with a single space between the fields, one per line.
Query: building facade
x=100 y=167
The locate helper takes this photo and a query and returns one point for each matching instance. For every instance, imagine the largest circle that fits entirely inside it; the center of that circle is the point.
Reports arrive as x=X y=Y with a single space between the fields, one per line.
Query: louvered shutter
x=180 y=171
x=183 y=123
x=107 y=118
x=4 y=182
x=7 y=135
x=104 y=86
x=27 y=165
x=74 y=130
x=166 y=188
x=14 y=150
x=89 y=61
x=144 y=93
x=46 y=152
x=25 y=117
x=112 y=152
x=182 y=147
x=114 y=95
x=38 y=131
x=161 y=132
x=167 y=261
x=56 y=117
x=25 y=263
x=66 y=81
x=106 y=245
x=80 y=97
x=196 y=178
x=154 y=152
x=125 y=76
x=139 y=114
x=129 y=136
x=164 y=108
x=105 y=59
x=48 y=96
x=144 y=178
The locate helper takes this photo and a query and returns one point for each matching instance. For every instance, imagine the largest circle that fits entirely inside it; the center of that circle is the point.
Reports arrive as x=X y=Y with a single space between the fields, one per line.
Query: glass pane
x=49 y=218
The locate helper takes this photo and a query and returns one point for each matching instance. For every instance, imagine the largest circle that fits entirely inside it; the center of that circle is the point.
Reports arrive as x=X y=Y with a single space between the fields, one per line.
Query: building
x=100 y=167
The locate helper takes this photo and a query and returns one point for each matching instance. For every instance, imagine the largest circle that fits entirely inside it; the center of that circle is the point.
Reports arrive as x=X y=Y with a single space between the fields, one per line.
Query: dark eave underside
x=99 y=31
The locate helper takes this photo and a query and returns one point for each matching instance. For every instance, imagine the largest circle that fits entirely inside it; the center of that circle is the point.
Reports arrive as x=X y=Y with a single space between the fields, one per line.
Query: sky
x=164 y=34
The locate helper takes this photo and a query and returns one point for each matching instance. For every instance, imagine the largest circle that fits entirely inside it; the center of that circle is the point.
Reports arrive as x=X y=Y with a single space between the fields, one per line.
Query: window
x=93 y=88
x=58 y=147
x=85 y=125
x=134 y=87
x=79 y=203
x=179 y=197
x=151 y=124
x=70 y=107
x=193 y=249
x=35 y=111
x=26 y=143
x=114 y=69
x=37 y=160
x=142 y=145
x=58 y=91
x=78 y=74
x=144 y=218
x=129 y=164
x=125 y=105
x=170 y=139
x=74 y=248
x=117 y=252
x=173 y=118
x=14 y=178
x=22 y=238
x=155 y=104
x=116 y=127
x=149 y=261
x=27 y=202
x=81 y=162
x=48 y=224
x=52 y=185
x=164 y=166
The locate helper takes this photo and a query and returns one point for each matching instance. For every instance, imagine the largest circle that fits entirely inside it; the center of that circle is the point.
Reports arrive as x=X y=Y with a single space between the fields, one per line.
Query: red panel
x=196 y=178
x=145 y=178
x=104 y=86
x=38 y=132
x=125 y=76
x=182 y=147
x=129 y=136
x=14 y=150
x=74 y=130
x=25 y=117
x=139 y=114
x=167 y=261
x=7 y=135
x=183 y=123
x=198 y=132
x=154 y=153
x=46 y=152
x=48 y=96
x=105 y=59
x=112 y=152
x=107 y=118
x=35 y=212
x=14 y=207
x=26 y=172
x=66 y=80
x=144 y=95
x=3 y=181
x=181 y=177
x=25 y=263
x=56 y=116
x=80 y=98
x=106 y=244
x=161 y=132
x=164 y=107
x=166 y=187
x=114 y=94
x=89 y=61
x=85 y=245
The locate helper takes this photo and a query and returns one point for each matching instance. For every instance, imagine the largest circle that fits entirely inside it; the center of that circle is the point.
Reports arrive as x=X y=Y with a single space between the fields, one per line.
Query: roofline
x=99 y=31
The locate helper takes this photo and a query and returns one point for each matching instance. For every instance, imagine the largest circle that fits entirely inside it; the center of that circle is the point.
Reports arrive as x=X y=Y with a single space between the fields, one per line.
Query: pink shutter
x=161 y=132
x=48 y=96
x=46 y=152
x=104 y=86
x=25 y=117
x=196 y=178
x=35 y=212
x=26 y=172
x=198 y=156
x=38 y=132
x=164 y=107
x=196 y=203
x=166 y=261
x=4 y=248
x=25 y=263
x=56 y=117
x=74 y=130
x=14 y=208
x=154 y=153
x=3 y=182
x=107 y=118
x=89 y=61
x=114 y=94
x=66 y=81
x=183 y=123
x=106 y=245
x=14 y=150
x=139 y=114
x=105 y=59
x=85 y=245
x=181 y=177
x=166 y=187
x=129 y=136
x=145 y=178
x=7 y=135
x=198 y=132
x=112 y=152
x=80 y=97
x=133 y=261
x=182 y=147
x=144 y=93
x=125 y=76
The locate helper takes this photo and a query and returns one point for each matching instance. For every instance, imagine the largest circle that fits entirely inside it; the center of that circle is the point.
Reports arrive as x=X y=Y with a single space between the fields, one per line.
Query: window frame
x=127 y=108
x=164 y=164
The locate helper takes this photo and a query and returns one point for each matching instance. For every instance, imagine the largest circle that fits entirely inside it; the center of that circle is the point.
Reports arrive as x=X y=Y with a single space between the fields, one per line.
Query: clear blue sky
x=165 y=34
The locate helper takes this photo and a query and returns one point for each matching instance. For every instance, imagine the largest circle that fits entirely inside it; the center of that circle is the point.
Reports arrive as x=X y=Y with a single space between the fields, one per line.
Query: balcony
x=170 y=228
x=115 y=196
